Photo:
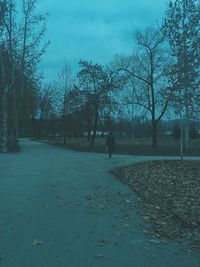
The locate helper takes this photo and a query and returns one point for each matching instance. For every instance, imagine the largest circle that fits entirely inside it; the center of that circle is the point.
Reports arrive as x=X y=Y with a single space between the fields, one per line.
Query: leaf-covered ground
x=170 y=197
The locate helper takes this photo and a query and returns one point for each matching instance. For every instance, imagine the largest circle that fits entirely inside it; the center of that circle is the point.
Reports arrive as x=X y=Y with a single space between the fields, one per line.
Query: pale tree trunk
x=89 y=122
x=186 y=102
x=4 y=112
x=153 y=112
x=187 y=126
x=133 y=110
x=132 y=124
x=181 y=137
x=13 y=138
x=95 y=128
x=64 y=130
x=154 y=133
x=154 y=121
x=13 y=135
x=65 y=138
x=88 y=134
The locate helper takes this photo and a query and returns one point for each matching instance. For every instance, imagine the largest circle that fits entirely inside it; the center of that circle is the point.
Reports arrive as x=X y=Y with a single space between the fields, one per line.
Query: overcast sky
x=94 y=30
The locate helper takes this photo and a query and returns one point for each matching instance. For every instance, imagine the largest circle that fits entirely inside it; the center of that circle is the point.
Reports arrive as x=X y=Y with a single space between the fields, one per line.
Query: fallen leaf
x=103 y=242
x=168 y=192
x=126 y=225
x=37 y=242
x=99 y=256
x=45 y=205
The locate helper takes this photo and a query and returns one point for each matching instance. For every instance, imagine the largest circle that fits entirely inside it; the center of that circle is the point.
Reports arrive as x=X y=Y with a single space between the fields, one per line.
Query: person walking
x=110 y=144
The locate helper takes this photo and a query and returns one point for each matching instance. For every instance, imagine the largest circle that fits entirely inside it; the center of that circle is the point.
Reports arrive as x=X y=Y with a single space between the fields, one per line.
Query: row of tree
x=21 y=33
x=160 y=77
x=165 y=69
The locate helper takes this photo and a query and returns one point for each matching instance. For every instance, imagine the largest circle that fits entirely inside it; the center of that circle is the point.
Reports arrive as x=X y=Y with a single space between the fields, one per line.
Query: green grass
x=167 y=146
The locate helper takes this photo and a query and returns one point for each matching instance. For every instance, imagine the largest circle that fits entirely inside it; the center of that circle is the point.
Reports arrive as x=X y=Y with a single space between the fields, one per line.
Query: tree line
x=21 y=47
x=160 y=77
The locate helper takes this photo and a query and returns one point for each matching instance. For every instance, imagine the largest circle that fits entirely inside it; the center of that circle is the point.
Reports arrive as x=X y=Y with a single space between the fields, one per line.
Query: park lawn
x=169 y=198
x=167 y=146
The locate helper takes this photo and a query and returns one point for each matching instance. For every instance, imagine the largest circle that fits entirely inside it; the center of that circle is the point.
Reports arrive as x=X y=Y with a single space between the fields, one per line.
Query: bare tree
x=32 y=46
x=4 y=106
x=9 y=40
x=149 y=66
x=96 y=84
x=66 y=85
x=20 y=52
x=181 y=26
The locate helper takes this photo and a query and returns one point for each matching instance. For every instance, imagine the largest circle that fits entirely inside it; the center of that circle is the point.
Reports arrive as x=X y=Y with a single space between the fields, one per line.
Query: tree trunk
x=13 y=139
x=132 y=123
x=34 y=127
x=65 y=138
x=89 y=135
x=132 y=130
x=13 y=136
x=4 y=125
x=88 y=129
x=95 y=129
x=154 y=133
x=187 y=129
x=181 y=140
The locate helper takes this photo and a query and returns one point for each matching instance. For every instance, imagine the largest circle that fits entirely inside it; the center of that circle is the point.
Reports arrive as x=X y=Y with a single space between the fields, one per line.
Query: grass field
x=167 y=146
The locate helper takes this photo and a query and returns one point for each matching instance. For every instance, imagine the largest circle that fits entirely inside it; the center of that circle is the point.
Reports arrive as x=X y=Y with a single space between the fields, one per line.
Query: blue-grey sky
x=94 y=30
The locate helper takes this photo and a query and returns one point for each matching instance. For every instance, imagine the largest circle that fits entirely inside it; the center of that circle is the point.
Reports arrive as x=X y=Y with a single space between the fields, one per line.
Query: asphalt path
x=61 y=208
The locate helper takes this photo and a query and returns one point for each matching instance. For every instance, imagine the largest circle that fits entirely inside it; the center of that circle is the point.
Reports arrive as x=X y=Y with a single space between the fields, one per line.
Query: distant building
x=98 y=133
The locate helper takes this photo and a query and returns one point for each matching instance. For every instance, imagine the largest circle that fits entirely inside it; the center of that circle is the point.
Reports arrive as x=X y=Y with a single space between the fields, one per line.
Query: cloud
x=94 y=29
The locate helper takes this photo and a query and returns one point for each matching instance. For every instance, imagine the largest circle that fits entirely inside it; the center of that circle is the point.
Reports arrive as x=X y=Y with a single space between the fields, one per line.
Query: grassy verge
x=141 y=147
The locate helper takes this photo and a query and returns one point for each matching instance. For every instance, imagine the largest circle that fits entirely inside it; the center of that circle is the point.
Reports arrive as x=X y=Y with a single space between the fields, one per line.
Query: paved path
x=82 y=214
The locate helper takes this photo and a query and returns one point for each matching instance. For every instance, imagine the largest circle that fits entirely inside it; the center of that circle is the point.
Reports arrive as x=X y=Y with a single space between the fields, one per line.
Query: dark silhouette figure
x=110 y=144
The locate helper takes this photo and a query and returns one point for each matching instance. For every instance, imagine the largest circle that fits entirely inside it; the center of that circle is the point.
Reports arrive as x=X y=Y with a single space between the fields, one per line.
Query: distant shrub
x=14 y=148
x=193 y=133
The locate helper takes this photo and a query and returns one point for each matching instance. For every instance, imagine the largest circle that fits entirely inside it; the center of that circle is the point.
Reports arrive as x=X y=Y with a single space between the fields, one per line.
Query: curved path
x=60 y=208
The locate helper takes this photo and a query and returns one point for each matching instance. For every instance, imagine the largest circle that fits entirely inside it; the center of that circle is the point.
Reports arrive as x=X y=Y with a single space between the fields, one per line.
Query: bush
x=193 y=133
